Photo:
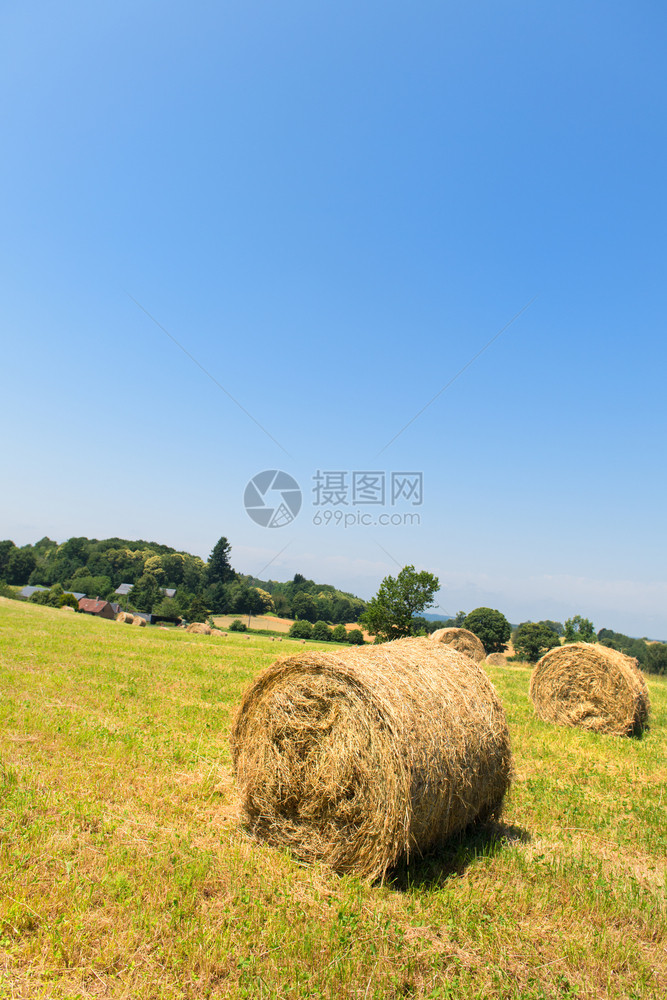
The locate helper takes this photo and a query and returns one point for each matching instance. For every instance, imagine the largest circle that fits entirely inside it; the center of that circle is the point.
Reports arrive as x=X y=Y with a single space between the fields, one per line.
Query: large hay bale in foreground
x=362 y=757
x=125 y=617
x=591 y=686
x=199 y=628
x=465 y=641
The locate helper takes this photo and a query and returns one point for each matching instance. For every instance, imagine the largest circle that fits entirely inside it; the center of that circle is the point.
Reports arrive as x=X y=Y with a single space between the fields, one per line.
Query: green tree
x=491 y=627
x=6 y=547
x=281 y=605
x=321 y=632
x=168 y=607
x=656 y=658
x=355 y=637
x=304 y=607
x=20 y=564
x=339 y=634
x=219 y=569
x=578 y=629
x=238 y=626
x=94 y=586
x=145 y=593
x=267 y=601
x=390 y=613
x=631 y=647
x=419 y=626
x=533 y=639
x=556 y=627
x=301 y=629
x=455 y=622
x=197 y=612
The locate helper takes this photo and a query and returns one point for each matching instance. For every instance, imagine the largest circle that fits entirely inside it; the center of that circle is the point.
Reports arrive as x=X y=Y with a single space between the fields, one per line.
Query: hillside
x=125 y=871
x=98 y=567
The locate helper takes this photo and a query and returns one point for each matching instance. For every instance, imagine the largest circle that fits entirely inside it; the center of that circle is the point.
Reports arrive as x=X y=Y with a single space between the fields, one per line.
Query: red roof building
x=100 y=608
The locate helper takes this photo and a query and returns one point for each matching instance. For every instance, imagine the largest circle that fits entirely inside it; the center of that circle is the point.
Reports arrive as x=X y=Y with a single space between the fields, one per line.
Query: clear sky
x=332 y=208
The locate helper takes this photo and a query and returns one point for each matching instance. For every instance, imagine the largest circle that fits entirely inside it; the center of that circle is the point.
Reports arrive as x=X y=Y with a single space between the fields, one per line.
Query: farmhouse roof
x=123 y=589
x=94 y=607
x=170 y=592
x=29 y=591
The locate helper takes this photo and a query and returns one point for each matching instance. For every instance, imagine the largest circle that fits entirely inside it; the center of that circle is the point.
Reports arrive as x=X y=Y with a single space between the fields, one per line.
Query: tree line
x=395 y=611
x=96 y=568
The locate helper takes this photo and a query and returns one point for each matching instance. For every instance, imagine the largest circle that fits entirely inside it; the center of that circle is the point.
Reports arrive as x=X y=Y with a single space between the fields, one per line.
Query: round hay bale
x=217 y=631
x=138 y=620
x=460 y=638
x=199 y=628
x=363 y=757
x=66 y=607
x=496 y=659
x=125 y=617
x=588 y=685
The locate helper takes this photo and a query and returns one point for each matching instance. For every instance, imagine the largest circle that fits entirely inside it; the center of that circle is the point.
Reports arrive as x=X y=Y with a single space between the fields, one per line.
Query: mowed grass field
x=124 y=872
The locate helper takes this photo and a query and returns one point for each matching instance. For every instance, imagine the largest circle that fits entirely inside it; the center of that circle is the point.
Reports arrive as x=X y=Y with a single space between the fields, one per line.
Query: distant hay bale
x=496 y=659
x=66 y=607
x=125 y=617
x=365 y=756
x=199 y=628
x=591 y=686
x=465 y=641
x=138 y=620
x=217 y=631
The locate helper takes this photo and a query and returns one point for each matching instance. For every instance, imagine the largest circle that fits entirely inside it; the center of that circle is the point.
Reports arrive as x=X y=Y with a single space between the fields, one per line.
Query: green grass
x=124 y=873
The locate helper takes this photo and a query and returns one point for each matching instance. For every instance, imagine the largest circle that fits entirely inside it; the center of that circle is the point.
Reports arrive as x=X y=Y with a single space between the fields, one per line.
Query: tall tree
x=219 y=569
x=390 y=613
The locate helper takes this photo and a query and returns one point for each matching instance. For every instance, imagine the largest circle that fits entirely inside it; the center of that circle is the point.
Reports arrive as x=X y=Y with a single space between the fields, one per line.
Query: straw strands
x=199 y=628
x=591 y=686
x=465 y=641
x=366 y=756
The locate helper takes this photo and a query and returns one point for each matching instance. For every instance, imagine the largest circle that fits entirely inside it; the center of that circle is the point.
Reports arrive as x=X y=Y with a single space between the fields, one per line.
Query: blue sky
x=333 y=208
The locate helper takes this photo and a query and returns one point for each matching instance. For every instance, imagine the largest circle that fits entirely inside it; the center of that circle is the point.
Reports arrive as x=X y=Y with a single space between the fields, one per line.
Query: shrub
x=339 y=634
x=301 y=629
x=321 y=632
x=238 y=626
x=356 y=637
